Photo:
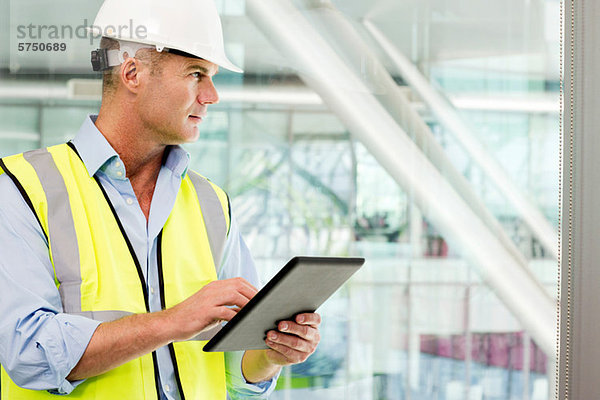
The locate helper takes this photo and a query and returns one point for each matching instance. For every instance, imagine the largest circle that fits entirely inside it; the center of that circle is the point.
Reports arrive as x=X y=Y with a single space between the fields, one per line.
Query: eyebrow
x=197 y=67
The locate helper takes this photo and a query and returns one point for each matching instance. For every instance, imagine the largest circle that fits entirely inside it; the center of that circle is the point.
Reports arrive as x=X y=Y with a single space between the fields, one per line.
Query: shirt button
x=151 y=290
x=167 y=388
x=119 y=173
x=129 y=201
x=117 y=164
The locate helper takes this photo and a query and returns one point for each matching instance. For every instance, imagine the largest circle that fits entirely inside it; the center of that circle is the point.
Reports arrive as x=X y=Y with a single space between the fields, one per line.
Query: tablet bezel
x=353 y=262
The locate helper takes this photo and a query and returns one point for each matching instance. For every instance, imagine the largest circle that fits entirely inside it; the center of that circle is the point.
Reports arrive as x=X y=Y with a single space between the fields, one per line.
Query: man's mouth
x=196 y=118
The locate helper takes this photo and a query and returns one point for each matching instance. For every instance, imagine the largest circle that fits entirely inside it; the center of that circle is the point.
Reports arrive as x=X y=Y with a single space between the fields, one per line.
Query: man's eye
x=198 y=75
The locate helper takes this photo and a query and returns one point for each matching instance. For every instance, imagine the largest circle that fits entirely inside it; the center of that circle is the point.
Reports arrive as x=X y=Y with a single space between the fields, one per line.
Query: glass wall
x=422 y=319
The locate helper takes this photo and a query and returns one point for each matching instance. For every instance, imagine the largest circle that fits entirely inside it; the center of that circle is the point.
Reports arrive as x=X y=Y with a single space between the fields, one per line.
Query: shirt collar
x=97 y=153
x=178 y=160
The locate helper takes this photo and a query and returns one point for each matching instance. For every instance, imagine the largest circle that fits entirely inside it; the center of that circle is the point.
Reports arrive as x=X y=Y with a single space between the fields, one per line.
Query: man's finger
x=312 y=319
x=243 y=286
x=290 y=355
x=292 y=341
x=306 y=332
x=232 y=292
x=225 y=313
x=231 y=299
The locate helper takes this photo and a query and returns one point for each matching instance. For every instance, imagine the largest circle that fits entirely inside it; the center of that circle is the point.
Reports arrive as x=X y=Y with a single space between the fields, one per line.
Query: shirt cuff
x=66 y=387
x=75 y=333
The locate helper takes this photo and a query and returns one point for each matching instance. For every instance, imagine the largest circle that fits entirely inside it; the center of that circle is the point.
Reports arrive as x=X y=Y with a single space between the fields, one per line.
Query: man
x=116 y=260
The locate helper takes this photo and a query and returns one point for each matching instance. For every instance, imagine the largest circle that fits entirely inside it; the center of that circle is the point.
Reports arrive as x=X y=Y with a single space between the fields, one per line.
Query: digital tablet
x=302 y=285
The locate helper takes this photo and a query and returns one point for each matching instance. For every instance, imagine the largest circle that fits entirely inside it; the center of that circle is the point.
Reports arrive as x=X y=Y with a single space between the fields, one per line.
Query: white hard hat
x=191 y=27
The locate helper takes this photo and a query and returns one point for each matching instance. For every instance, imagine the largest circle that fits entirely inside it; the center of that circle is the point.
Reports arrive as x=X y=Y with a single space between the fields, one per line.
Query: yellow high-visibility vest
x=98 y=276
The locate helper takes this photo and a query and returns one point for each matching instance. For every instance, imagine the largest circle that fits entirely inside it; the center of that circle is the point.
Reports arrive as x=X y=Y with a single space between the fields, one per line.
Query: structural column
x=579 y=360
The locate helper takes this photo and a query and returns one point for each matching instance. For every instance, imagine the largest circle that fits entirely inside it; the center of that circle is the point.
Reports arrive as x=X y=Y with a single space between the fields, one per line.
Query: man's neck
x=141 y=157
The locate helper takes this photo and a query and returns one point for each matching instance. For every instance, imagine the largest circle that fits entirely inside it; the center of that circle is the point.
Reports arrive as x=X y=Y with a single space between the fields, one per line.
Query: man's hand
x=116 y=342
x=216 y=302
x=292 y=343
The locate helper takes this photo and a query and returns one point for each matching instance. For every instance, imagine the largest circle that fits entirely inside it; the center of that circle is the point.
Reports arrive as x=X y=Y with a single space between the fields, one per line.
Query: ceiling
x=467 y=33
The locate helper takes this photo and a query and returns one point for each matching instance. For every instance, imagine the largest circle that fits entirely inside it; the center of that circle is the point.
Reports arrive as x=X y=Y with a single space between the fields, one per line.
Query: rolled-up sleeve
x=237 y=262
x=237 y=385
x=39 y=345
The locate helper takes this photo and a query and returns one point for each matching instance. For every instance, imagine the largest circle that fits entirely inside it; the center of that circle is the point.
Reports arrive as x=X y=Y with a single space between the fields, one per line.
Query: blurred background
x=422 y=135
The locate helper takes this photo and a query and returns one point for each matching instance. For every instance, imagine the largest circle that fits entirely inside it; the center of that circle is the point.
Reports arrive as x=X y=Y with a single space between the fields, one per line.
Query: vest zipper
x=161 y=284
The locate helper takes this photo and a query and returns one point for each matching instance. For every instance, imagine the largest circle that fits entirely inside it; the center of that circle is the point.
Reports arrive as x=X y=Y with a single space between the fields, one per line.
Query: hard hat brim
x=220 y=61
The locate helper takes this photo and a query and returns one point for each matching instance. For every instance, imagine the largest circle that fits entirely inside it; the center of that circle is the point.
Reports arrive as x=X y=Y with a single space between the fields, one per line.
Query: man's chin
x=192 y=136
x=189 y=135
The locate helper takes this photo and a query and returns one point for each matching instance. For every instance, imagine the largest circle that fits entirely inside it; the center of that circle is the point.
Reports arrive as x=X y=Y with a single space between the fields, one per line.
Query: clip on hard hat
x=100 y=60
x=103 y=59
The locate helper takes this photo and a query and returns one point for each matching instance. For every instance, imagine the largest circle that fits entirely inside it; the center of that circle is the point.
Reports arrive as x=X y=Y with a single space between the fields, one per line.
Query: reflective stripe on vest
x=61 y=229
x=67 y=202
x=214 y=217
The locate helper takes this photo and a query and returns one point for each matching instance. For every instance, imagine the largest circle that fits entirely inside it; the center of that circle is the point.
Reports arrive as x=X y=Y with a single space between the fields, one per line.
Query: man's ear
x=130 y=74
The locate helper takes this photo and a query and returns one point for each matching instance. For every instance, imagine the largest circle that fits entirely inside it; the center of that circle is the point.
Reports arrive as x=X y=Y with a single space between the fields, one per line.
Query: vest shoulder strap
x=216 y=212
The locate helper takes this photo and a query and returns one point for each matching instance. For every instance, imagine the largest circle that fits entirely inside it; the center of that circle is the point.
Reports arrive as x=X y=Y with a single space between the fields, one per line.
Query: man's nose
x=208 y=93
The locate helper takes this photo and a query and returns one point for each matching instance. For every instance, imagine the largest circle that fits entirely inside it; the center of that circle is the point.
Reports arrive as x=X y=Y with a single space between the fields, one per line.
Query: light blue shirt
x=39 y=344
